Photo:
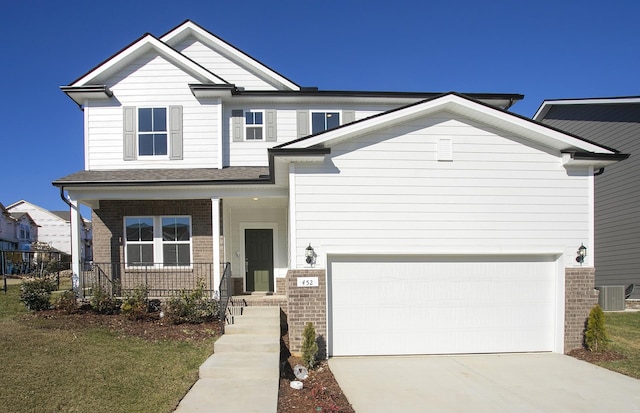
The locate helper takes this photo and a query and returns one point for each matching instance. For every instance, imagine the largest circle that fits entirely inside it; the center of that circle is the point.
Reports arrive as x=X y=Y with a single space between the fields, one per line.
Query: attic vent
x=611 y=297
x=445 y=149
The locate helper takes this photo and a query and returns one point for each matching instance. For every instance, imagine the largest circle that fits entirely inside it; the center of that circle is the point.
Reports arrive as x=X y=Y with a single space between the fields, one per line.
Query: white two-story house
x=444 y=217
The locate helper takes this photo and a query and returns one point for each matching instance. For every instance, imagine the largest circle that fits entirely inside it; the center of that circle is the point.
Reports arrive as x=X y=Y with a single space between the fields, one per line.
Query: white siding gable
x=151 y=81
x=386 y=191
x=221 y=65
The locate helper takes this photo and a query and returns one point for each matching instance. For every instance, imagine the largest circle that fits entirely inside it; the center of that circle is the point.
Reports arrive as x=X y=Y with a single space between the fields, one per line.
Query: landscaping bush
x=136 y=305
x=309 y=346
x=35 y=294
x=595 y=337
x=67 y=302
x=191 y=307
x=102 y=302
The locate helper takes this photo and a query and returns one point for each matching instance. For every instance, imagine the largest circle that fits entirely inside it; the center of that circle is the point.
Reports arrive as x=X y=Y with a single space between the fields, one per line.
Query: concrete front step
x=254 y=326
x=223 y=395
x=252 y=343
x=261 y=311
x=241 y=366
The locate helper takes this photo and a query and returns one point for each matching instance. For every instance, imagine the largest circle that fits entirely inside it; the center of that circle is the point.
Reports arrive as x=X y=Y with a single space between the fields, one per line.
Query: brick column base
x=580 y=297
x=307 y=304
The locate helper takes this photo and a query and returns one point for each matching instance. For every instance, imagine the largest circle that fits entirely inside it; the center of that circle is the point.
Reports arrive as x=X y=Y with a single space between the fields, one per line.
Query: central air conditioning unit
x=611 y=297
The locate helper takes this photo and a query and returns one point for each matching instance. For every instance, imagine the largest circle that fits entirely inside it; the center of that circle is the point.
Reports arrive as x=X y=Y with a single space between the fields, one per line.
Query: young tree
x=309 y=346
x=596 y=337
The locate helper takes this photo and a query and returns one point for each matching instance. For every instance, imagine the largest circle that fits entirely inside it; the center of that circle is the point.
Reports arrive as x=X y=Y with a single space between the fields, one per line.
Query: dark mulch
x=595 y=357
x=321 y=392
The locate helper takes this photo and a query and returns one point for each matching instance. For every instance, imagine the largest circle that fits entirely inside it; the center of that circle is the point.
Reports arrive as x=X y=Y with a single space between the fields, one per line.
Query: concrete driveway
x=542 y=382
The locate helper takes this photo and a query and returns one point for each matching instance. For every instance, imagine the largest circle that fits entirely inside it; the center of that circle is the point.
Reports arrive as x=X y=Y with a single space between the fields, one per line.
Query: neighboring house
x=26 y=230
x=8 y=238
x=613 y=122
x=398 y=223
x=55 y=228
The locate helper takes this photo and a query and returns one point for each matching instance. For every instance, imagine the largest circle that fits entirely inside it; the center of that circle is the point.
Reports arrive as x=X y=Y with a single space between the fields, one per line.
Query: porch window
x=160 y=241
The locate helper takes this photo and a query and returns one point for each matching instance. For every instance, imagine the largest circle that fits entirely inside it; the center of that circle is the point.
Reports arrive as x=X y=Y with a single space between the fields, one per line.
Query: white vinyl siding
x=387 y=192
x=221 y=66
x=151 y=81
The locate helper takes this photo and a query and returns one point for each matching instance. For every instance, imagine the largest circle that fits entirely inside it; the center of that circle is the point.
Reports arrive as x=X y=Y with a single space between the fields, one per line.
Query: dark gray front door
x=258 y=247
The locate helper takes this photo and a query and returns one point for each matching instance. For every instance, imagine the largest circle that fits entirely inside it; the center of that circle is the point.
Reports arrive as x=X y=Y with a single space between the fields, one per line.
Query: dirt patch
x=595 y=357
x=321 y=392
x=151 y=328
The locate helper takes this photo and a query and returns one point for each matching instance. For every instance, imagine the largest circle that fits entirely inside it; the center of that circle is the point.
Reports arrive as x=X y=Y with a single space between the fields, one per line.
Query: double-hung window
x=254 y=125
x=160 y=240
x=321 y=121
x=152 y=131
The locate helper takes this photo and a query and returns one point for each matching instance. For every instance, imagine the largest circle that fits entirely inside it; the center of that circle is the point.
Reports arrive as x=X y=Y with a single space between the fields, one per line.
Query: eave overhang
x=80 y=94
x=596 y=160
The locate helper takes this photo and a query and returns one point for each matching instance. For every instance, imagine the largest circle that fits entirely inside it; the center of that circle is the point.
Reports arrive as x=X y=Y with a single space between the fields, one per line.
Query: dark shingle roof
x=229 y=175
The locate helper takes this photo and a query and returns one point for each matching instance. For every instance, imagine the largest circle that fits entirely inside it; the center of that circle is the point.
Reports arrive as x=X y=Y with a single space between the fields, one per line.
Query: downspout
x=599 y=172
x=75 y=276
x=64 y=198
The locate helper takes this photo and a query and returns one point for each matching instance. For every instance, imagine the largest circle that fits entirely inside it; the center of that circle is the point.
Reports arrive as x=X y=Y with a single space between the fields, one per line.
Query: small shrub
x=67 y=302
x=309 y=346
x=595 y=337
x=191 y=307
x=36 y=293
x=136 y=305
x=102 y=302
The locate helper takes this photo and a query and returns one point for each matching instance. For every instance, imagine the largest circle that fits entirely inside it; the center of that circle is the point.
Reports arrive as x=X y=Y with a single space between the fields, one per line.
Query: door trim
x=273 y=226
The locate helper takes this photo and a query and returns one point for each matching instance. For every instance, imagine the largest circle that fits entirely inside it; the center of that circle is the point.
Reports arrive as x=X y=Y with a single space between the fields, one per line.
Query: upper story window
x=321 y=121
x=254 y=124
x=25 y=232
x=152 y=131
x=158 y=240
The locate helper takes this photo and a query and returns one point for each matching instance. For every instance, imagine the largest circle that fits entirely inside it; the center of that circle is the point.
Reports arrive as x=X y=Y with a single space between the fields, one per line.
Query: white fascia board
x=546 y=104
x=464 y=107
x=222 y=46
x=142 y=46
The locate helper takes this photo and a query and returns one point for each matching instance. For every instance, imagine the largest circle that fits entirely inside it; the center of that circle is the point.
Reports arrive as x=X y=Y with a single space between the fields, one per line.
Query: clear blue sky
x=542 y=49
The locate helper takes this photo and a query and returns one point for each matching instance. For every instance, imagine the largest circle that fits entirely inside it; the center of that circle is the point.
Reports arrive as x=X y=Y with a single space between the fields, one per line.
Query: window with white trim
x=158 y=240
x=254 y=125
x=152 y=131
x=321 y=121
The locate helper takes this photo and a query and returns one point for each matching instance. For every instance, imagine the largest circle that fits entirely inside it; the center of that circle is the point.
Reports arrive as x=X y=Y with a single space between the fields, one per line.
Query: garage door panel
x=441 y=307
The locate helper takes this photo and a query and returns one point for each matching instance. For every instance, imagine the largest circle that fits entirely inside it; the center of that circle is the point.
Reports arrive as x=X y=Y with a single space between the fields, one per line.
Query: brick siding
x=307 y=304
x=580 y=297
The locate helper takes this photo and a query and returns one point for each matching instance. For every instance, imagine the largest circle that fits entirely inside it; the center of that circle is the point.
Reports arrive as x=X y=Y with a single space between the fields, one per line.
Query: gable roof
x=190 y=28
x=92 y=81
x=580 y=150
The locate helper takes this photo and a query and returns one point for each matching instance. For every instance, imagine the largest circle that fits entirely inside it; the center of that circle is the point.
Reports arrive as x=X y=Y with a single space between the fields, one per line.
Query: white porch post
x=215 y=233
x=293 y=241
x=76 y=254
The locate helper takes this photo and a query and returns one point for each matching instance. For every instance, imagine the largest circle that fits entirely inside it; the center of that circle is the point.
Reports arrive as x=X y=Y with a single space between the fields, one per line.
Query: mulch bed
x=595 y=357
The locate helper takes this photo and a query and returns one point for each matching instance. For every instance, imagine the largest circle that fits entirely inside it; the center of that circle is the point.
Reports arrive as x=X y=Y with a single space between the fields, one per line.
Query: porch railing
x=226 y=289
x=118 y=279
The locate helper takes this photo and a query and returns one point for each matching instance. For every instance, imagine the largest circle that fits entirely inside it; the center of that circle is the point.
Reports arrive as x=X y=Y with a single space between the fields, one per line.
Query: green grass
x=47 y=368
x=624 y=333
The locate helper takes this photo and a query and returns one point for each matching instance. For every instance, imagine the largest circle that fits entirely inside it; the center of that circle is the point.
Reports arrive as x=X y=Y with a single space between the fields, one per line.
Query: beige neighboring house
x=55 y=227
x=8 y=239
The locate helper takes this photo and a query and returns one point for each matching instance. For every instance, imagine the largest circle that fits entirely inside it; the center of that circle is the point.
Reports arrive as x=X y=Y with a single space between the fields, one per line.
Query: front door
x=258 y=247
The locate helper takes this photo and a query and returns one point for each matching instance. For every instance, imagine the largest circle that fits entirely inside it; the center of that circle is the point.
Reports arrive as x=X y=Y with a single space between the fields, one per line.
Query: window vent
x=445 y=149
x=611 y=297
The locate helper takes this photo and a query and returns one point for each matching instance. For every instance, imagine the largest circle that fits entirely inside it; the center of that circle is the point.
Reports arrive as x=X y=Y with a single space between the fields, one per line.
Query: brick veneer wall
x=580 y=297
x=108 y=226
x=307 y=304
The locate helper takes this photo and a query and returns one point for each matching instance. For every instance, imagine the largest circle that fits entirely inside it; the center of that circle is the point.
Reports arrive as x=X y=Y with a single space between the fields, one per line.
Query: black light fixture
x=309 y=254
x=582 y=252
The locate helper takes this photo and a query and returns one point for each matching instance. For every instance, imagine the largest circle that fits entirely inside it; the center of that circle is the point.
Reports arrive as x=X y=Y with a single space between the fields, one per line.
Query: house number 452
x=307 y=281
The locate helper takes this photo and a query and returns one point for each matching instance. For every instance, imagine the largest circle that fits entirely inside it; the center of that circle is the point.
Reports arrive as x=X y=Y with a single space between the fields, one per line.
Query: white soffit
x=211 y=40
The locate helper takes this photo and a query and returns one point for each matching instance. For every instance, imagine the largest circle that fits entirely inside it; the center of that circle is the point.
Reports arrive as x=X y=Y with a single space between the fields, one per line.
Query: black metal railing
x=226 y=289
x=118 y=279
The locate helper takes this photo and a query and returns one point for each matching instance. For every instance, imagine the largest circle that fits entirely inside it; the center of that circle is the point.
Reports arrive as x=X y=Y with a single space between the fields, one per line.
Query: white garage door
x=425 y=305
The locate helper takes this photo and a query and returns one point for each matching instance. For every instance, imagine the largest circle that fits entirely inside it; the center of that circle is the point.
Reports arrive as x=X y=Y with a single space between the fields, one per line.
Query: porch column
x=76 y=254
x=215 y=235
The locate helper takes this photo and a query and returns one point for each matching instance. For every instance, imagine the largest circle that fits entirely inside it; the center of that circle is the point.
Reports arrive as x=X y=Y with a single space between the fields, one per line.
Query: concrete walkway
x=243 y=373
x=522 y=383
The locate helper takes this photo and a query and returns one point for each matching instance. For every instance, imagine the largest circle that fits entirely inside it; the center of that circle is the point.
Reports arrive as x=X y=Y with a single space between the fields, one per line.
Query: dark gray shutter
x=237 y=124
x=348 y=116
x=303 y=123
x=270 y=125
x=129 y=133
x=175 y=132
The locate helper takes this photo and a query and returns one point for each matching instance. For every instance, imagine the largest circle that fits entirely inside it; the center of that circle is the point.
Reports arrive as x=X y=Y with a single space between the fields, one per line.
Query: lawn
x=51 y=365
x=624 y=332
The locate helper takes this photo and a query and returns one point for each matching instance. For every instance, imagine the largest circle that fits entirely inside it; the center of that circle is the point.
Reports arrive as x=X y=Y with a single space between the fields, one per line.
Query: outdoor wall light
x=582 y=252
x=309 y=254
